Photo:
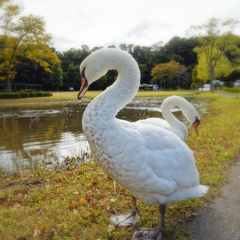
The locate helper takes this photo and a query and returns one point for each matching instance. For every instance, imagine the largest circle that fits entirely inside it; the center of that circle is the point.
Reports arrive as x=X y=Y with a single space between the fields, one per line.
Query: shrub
x=32 y=94
x=24 y=94
x=228 y=84
x=40 y=94
x=9 y=95
x=232 y=90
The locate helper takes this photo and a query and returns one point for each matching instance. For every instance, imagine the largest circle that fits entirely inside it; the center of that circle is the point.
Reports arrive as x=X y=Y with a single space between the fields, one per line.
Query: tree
x=214 y=48
x=56 y=76
x=167 y=72
x=195 y=80
x=102 y=82
x=23 y=38
x=193 y=86
x=217 y=86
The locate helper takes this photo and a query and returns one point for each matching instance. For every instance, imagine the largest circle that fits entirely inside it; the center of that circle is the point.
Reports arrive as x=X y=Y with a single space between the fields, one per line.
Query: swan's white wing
x=157 y=122
x=169 y=157
x=150 y=156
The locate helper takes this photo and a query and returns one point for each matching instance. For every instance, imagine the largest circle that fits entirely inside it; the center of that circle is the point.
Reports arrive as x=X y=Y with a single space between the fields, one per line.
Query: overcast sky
x=73 y=23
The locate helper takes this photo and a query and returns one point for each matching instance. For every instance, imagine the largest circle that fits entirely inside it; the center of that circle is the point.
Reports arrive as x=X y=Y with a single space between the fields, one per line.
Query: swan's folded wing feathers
x=169 y=157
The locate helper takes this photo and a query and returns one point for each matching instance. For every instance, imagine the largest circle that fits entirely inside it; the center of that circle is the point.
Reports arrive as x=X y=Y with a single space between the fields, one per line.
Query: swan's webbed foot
x=147 y=234
x=152 y=233
x=125 y=219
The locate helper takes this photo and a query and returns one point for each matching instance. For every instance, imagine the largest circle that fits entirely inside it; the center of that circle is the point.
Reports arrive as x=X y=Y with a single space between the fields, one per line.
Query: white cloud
x=110 y=22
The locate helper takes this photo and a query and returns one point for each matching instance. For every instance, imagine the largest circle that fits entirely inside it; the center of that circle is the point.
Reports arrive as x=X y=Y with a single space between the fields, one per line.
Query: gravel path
x=227 y=95
x=221 y=220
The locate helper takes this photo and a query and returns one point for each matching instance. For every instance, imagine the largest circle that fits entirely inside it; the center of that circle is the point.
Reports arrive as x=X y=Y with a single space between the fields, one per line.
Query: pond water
x=49 y=133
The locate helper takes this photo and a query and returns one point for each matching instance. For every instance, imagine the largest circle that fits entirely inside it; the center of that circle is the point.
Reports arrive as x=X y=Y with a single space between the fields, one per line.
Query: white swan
x=171 y=123
x=154 y=164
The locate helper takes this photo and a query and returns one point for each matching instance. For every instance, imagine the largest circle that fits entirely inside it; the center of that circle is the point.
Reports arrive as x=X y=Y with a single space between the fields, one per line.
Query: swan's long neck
x=177 y=127
x=111 y=101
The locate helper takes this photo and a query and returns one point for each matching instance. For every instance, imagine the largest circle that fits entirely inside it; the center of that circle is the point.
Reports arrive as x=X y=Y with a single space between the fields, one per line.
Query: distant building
x=237 y=83
x=206 y=87
x=154 y=87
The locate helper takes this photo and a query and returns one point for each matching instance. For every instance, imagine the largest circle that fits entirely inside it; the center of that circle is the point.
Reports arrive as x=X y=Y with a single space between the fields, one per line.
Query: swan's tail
x=185 y=193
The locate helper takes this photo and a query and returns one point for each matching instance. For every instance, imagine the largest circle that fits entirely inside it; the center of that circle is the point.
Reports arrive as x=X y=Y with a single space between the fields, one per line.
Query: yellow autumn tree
x=223 y=67
x=24 y=38
x=167 y=72
x=219 y=52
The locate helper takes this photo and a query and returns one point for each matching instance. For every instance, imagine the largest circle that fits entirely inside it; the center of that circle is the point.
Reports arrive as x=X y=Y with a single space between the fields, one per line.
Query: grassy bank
x=76 y=203
x=72 y=96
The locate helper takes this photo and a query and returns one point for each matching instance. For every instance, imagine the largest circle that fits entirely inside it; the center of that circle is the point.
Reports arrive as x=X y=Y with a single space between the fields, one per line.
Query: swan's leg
x=152 y=233
x=126 y=219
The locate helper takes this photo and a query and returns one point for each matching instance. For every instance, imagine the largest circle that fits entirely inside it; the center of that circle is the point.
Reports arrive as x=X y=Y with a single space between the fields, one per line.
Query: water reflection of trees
x=27 y=142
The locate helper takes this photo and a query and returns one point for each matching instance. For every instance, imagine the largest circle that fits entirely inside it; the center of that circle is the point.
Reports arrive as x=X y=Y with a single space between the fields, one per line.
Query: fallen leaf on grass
x=41 y=229
x=73 y=204
x=96 y=182
x=75 y=211
x=187 y=214
x=76 y=237
x=39 y=210
x=175 y=212
x=94 y=226
x=82 y=202
x=111 y=226
x=17 y=205
x=36 y=233
x=93 y=214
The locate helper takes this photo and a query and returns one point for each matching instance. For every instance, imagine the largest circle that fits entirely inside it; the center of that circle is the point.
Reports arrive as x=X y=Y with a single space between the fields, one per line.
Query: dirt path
x=221 y=220
x=227 y=95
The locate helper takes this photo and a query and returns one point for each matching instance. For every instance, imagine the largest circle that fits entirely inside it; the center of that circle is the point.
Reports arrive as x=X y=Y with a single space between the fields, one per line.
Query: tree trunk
x=211 y=80
x=8 y=84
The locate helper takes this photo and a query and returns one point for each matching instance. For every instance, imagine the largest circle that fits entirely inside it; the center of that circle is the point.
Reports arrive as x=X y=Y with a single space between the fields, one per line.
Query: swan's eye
x=197 y=121
x=82 y=74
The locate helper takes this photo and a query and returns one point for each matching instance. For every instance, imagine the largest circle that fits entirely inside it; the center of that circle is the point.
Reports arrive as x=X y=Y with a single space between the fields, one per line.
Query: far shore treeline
x=28 y=61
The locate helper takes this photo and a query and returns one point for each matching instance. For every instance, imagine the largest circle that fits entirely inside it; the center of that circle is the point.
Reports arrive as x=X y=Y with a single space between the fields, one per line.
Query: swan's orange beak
x=83 y=88
x=195 y=126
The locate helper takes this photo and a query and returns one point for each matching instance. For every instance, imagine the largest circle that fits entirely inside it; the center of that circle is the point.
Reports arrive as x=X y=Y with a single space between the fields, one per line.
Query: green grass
x=72 y=96
x=164 y=93
x=209 y=95
x=60 y=195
